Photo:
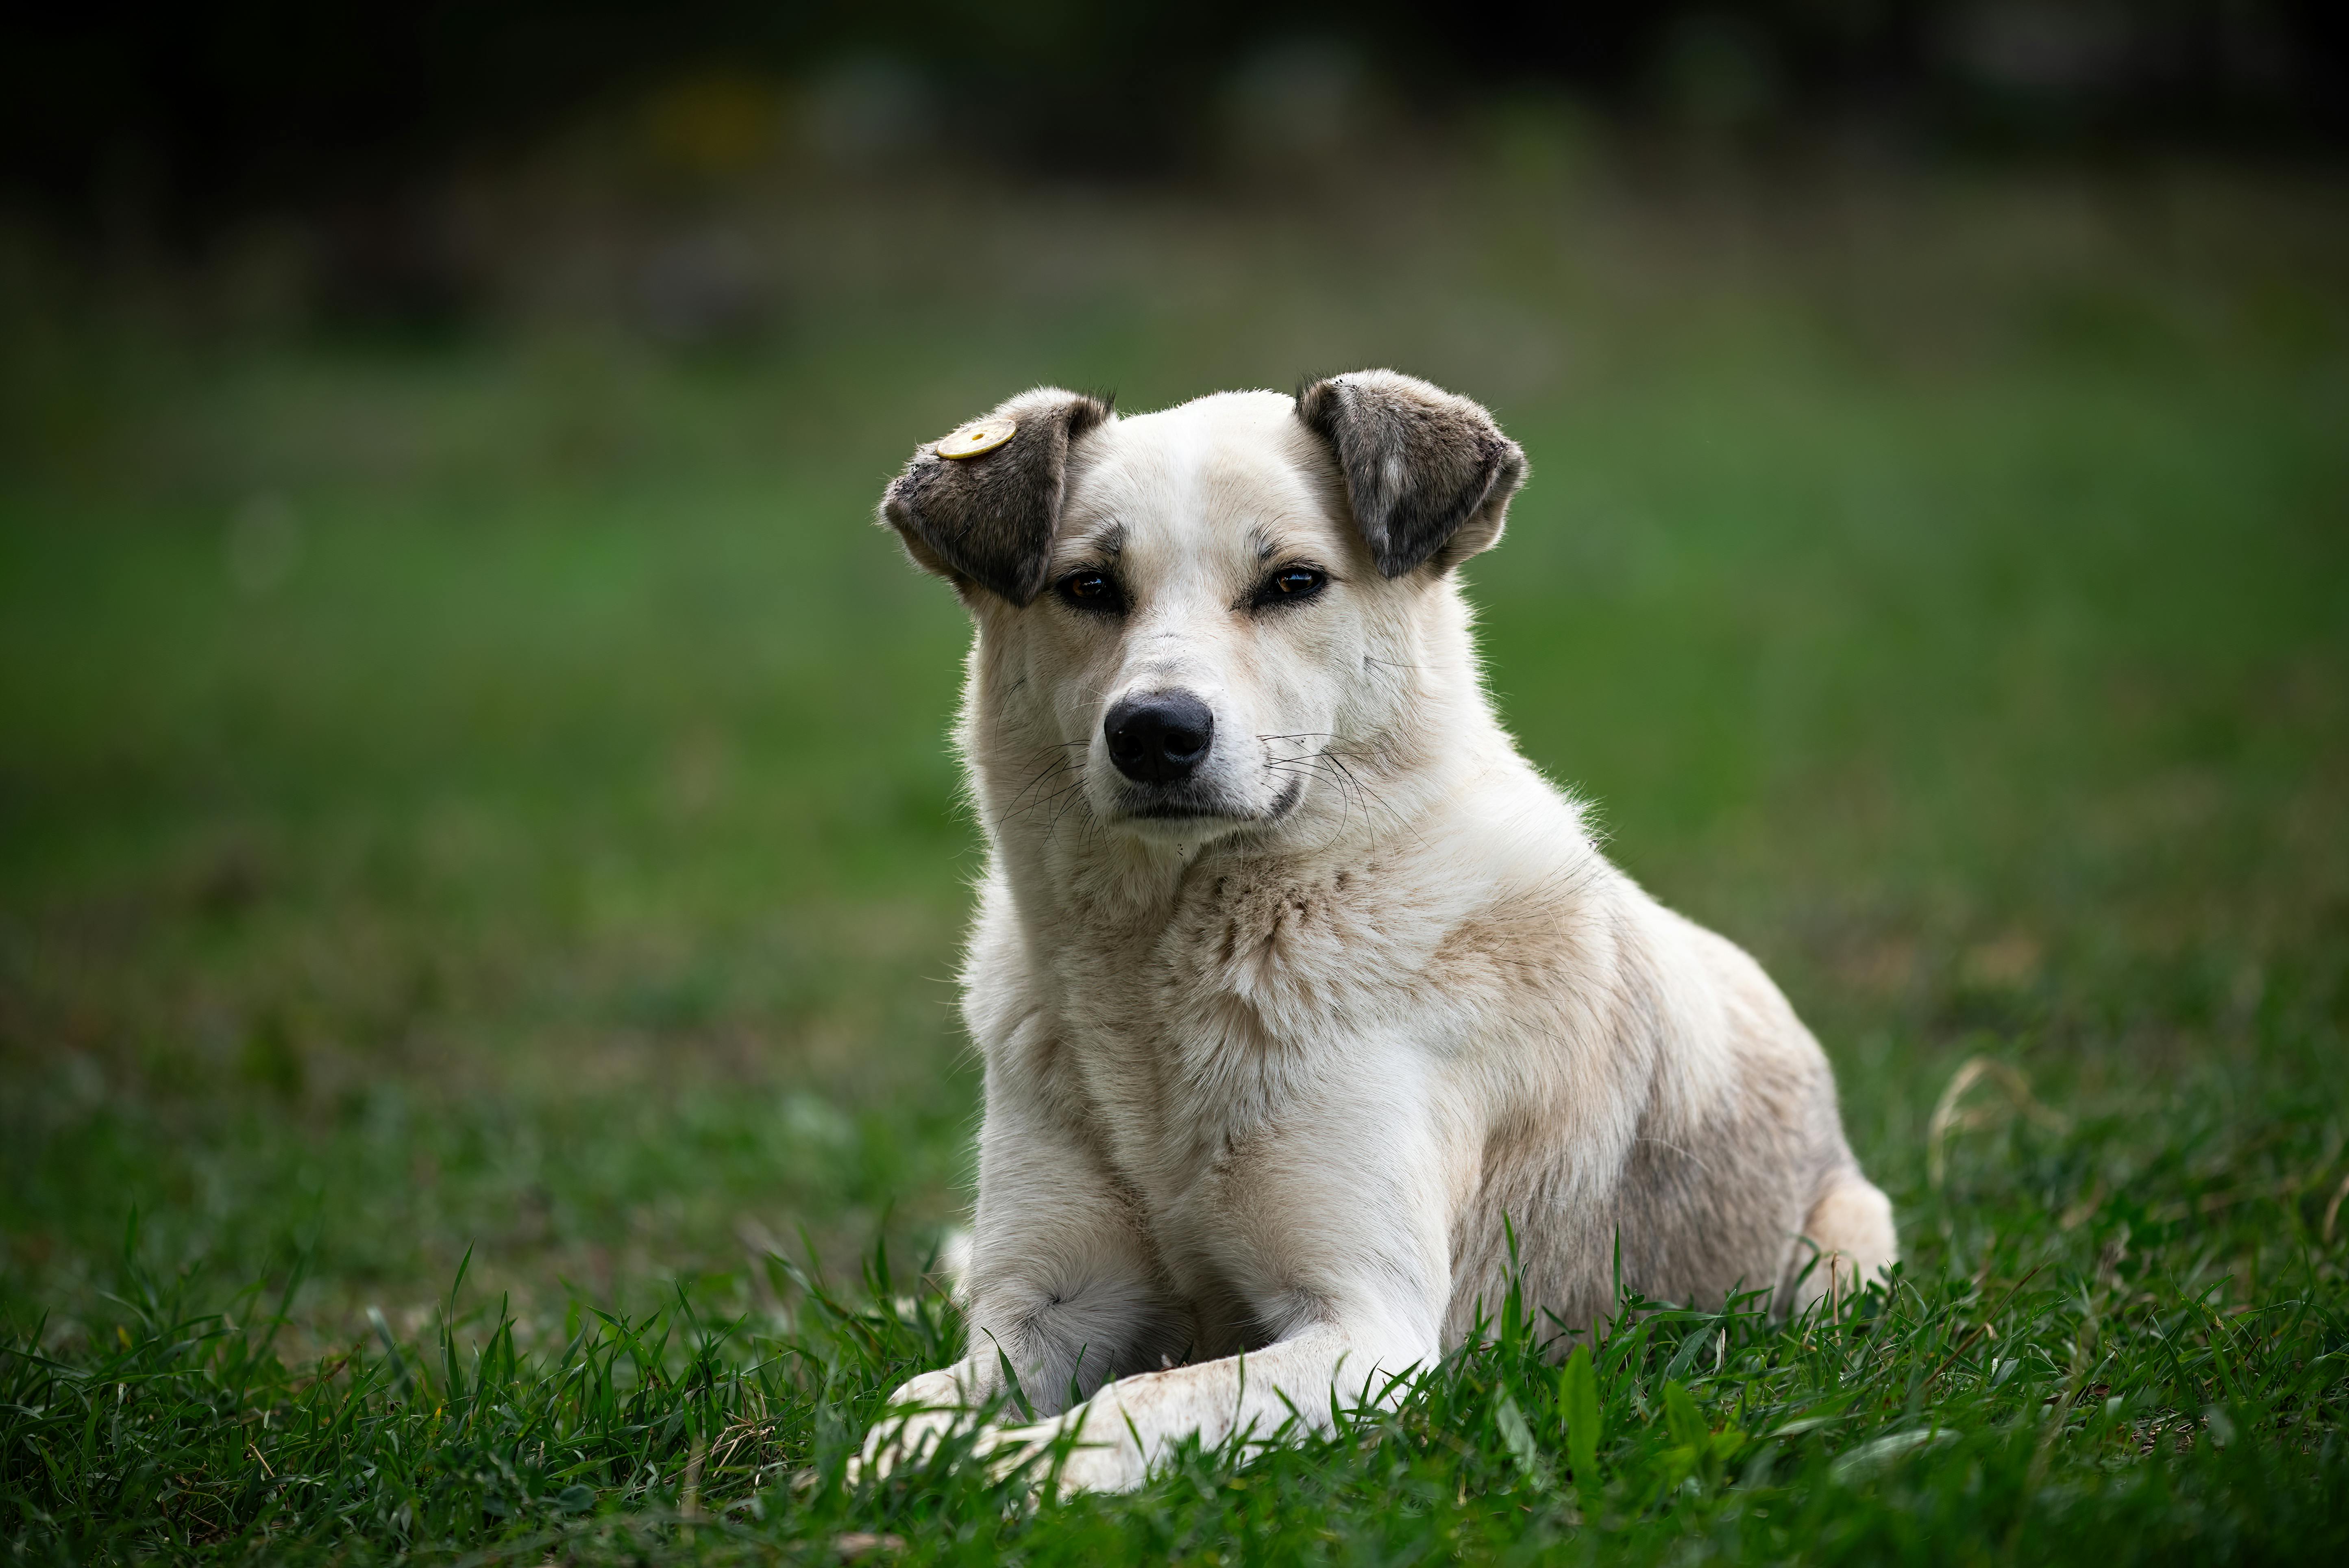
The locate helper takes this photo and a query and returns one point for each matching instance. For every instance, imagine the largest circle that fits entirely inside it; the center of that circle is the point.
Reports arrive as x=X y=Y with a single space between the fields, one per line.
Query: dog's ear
x=981 y=505
x=1429 y=475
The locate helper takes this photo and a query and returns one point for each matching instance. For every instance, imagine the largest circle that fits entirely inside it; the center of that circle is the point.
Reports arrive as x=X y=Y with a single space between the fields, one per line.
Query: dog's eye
x=1292 y=584
x=1090 y=590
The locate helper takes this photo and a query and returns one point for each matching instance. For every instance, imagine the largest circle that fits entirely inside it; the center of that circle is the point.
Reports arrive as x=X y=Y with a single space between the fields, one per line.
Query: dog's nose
x=1159 y=739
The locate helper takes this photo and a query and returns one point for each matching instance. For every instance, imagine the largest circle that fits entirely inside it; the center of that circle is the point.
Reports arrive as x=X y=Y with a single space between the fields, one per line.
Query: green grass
x=449 y=961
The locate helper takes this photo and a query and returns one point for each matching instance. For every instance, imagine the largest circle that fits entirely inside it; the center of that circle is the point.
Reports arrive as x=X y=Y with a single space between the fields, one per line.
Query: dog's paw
x=920 y=1414
x=1043 y=1455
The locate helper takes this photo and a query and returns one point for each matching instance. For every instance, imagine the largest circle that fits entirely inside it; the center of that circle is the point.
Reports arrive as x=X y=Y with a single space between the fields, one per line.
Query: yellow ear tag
x=974 y=439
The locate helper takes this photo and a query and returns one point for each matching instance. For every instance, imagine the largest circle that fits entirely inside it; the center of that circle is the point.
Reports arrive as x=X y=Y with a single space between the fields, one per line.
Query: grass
x=478 y=864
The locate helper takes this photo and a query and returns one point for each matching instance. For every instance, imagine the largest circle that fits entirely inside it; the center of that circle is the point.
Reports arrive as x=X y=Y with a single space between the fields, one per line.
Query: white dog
x=1297 y=985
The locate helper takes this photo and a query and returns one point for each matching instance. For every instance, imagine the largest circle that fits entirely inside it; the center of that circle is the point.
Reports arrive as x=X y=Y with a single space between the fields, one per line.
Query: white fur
x=1270 y=1084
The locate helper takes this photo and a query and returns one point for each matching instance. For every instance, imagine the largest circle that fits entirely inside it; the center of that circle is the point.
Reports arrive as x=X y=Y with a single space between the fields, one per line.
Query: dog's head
x=1200 y=613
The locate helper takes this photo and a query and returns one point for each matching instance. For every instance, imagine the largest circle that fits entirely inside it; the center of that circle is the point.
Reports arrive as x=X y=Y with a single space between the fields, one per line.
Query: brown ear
x=1429 y=475
x=988 y=518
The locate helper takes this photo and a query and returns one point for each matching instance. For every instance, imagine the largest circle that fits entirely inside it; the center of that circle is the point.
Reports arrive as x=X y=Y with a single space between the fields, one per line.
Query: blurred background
x=471 y=774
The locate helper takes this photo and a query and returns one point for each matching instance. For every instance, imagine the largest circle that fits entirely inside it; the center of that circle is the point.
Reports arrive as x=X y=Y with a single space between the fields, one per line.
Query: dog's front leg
x=1287 y=1387
x=1338 y=1243
x=1062 y=1291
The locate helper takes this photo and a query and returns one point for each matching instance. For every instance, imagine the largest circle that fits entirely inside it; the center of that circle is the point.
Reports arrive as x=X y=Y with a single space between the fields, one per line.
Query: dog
x=1312 y=1014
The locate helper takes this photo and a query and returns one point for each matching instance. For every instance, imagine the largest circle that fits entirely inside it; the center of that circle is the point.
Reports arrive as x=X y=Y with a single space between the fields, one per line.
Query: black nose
x=1159 y=739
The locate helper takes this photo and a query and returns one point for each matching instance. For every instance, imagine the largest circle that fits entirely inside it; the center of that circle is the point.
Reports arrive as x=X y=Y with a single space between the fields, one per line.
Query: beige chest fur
x=1202 y=1036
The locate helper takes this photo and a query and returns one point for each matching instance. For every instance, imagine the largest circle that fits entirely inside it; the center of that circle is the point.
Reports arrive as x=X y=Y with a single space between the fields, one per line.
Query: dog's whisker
x=1059 y=797
x=1347 y=787
x=1043 y=776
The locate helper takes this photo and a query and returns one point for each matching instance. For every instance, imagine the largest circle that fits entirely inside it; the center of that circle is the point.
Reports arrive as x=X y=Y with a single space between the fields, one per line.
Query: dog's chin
x=1185 y=815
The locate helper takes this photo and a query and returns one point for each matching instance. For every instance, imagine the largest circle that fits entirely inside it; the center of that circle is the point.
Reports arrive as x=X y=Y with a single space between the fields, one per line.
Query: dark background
x=164 y=122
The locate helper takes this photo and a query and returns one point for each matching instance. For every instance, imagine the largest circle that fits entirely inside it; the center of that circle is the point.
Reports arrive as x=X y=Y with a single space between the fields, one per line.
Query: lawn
x=480 y=865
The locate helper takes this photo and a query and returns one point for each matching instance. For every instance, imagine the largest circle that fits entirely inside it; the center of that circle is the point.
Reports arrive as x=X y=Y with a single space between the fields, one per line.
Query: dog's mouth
x=1191 y=805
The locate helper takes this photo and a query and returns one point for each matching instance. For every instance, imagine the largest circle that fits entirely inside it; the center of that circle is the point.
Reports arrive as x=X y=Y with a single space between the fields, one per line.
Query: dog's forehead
x=1236 y=458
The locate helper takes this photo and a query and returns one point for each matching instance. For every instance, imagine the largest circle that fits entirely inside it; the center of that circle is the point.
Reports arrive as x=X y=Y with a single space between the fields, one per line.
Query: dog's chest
x=1195 y=1040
